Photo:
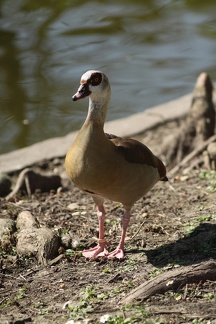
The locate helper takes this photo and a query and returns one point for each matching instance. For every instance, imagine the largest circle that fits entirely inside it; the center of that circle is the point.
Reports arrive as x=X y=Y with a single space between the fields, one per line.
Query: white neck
x=98 y=106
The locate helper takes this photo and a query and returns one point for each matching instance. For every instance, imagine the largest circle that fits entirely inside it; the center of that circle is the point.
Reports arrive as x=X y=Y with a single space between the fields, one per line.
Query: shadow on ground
x=198 y=246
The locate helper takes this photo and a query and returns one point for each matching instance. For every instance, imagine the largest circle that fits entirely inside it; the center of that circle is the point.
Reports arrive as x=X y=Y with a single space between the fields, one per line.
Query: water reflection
x=151 y=50
x=13 y=94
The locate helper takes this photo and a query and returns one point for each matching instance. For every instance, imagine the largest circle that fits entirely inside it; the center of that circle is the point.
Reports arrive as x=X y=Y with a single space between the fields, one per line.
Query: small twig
x=56 y=260
x=123 y=313
x=1 y=302
x=23 y=277
x=185 y=292
x=32 y=271
x=137 y=232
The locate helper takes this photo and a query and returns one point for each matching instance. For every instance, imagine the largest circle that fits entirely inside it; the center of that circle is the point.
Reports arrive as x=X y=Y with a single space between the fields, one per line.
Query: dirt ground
x=169 y=229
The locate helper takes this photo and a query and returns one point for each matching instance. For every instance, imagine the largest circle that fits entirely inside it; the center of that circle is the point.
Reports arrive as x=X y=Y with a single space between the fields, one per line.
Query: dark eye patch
x=96 y=79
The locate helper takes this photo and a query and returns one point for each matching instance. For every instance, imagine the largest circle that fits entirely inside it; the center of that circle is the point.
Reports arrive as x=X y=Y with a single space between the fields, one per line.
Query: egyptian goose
x=107 y=166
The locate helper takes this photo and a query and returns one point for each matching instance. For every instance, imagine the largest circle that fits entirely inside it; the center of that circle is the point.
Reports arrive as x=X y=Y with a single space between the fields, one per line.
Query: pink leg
x=100 y=249
x=119 y=251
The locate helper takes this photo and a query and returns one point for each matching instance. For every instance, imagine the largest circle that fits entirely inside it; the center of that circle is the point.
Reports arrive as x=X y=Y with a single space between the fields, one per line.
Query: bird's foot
x=95 y=252
x=117 y=253
x=98 y=251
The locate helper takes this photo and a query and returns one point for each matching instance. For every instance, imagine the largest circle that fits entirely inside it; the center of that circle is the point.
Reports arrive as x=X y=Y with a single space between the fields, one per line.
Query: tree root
x=198 y=150
x=172 y=280
x=29 y=181
x=198 y=126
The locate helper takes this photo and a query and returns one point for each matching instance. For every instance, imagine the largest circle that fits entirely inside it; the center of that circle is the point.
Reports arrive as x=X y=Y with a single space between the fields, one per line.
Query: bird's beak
x=82 y=92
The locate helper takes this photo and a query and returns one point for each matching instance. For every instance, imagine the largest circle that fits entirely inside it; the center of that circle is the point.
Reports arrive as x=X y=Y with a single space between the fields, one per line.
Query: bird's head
x=94 y=84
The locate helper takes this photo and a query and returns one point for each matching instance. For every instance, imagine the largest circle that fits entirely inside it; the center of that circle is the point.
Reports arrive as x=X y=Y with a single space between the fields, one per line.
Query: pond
x=152 y=52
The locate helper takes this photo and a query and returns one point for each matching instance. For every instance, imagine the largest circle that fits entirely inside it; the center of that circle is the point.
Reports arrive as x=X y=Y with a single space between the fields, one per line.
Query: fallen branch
x=172 y=280
x=190 y=156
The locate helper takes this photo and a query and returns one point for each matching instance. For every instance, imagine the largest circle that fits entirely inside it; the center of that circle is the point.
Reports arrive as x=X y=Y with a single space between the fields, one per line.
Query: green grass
x=209 y=175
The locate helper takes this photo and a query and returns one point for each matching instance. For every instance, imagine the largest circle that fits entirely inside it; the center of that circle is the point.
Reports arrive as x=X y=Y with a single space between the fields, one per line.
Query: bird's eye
x=96 y=79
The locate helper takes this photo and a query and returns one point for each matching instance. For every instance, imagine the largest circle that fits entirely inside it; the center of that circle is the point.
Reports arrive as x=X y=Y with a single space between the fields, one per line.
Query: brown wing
x=136 y=152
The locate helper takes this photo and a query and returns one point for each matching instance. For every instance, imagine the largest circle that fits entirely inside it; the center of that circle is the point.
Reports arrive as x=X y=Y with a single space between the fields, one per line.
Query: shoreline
x=130 y=126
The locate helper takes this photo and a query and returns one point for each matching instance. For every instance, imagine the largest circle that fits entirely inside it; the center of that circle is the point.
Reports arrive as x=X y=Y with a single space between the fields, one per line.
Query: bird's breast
x=110 y=177
x=86 y=160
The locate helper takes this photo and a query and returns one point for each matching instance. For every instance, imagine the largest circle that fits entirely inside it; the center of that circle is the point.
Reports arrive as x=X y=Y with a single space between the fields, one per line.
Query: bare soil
x=169 y=229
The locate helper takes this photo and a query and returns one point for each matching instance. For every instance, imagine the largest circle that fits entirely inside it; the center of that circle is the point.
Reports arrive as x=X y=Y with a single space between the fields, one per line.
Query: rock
x=76 y=213
x=7 y=228
x=73 y=206
x=5 y=185
x=26 y=220
x=40 y=242
x=70 y=241
x=34 y=241
x=66 y=240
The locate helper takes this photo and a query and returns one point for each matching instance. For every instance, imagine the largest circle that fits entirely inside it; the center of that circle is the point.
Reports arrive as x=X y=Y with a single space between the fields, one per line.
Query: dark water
x=152 y=51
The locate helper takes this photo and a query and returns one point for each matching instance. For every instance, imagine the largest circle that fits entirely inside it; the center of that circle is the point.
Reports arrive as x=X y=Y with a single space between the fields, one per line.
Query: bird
x=106 y=166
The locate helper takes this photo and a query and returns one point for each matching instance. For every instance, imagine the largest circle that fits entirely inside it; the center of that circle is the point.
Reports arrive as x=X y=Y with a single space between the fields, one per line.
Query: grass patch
x=209 y=175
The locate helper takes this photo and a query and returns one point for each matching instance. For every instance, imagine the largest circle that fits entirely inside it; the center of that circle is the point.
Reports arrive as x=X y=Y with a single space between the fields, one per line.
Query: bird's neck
x=97 y=110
